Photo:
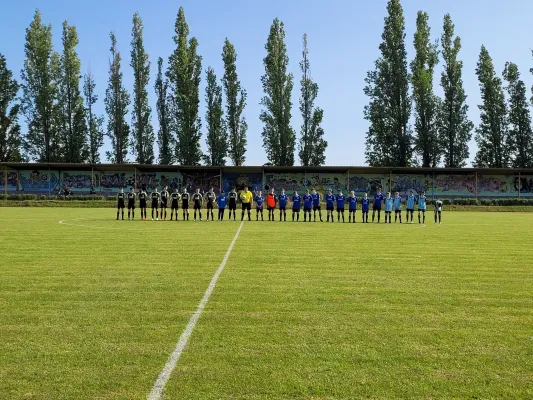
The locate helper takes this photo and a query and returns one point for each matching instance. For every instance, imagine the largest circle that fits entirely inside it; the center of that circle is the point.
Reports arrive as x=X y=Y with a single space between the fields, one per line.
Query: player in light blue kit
x=410 y=206
x=388 y=208
x=365 y=207
x=352 y=206
x=422 y=207
x=397 y=207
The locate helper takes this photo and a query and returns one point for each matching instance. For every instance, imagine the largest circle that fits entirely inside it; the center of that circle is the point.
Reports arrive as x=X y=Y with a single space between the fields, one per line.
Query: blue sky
x=343 y=40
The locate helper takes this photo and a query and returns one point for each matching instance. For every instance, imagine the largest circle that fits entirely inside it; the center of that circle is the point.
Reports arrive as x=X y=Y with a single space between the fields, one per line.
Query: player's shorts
x=209 y=206
x=197 y=206
x=259 y=208
x=377 y=208
x=120 y=203
x=155 y=204
x=247 y=206
x=142 y=203
x=438 y=210
x=164 y=203
x=422 y=210
x=340 y=209
x=352 y=210
x=174 y=205
x=411 y=210
x=271 y=208
x=398 y=211
x=330 y=208
x=317 y=208
x=307 y=209
x=185 y=204
x=295 y=209
x=232 y=205
x=365 y=210
x=388 y=211
x=131 y=205
x=284 y=208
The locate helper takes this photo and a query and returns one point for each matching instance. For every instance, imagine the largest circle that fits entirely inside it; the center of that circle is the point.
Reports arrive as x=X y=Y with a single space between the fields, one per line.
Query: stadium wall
x=105 y=179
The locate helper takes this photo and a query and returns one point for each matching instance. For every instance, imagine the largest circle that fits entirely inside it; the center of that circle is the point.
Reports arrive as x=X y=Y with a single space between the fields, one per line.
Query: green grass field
x=93 y=309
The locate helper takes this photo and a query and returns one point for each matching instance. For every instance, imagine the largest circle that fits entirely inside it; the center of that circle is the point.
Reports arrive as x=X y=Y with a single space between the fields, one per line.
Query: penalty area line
x=164 y=375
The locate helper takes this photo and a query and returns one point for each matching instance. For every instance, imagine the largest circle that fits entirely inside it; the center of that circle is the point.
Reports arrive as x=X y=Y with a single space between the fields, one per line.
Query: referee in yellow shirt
x=247 y=200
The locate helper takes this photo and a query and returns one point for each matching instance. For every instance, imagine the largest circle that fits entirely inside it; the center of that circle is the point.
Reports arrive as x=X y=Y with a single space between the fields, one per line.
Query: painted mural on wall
x=365 y=184
x=496 y=186
x=454 y=185
x=239 y=181
x=80 y=181
x=11 y=181
x=417 y=183
x=39 y=181
x=201 y=180
x=148 y=181
x=524 y=184
x=300 y=182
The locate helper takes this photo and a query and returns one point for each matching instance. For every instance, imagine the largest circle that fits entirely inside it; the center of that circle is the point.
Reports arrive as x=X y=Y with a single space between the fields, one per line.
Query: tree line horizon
x=57 y=102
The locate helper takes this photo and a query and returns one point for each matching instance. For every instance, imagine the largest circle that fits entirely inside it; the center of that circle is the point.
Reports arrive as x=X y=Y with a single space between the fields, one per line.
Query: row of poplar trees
x=442 y=129
x=63 y=127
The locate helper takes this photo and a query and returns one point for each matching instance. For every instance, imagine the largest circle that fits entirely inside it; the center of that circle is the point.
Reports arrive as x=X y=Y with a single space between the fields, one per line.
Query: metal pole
x=49 y=178
x=390 y=180
x=433 y=186
x=5 y=180
x=476 y=185
x=220 y=180
x=348 y=182
x=92 y=178
x=134 y=178
x=263 y=178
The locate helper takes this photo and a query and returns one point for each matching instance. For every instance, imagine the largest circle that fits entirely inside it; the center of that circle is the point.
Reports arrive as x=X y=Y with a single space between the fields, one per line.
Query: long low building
x=106 y=179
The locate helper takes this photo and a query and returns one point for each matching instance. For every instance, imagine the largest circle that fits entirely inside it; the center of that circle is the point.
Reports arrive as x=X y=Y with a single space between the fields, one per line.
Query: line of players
x=311 y=202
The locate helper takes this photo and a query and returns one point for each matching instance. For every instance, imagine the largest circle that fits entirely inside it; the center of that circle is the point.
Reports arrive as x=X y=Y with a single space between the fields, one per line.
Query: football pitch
x=92 y=308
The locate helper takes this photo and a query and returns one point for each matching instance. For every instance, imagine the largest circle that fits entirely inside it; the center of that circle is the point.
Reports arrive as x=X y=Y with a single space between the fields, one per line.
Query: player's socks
x=132 y=215
x=122 y=215
x=118 y=213
x=200 y=213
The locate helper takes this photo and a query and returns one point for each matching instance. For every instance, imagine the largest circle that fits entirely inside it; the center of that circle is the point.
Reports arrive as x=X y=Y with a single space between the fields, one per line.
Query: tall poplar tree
x=117 y=100
x=279 y=138
x=10 y=138
x=165 y=140
x=95 y=123
x=426 y=141
x=389 y=137
x=70 y=112
x=491 y=134
x=455 y=129
x=312 y=146
x=520 y=135
x=235 y=104
x=184 y=74
x=39 y=92
x=143 y=132
x=217 y=137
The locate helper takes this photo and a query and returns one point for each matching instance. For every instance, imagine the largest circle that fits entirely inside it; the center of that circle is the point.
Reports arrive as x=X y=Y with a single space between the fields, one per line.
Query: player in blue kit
x=388 y=208
x=316 y=205
x=308 y=204
x=296 y=205
x=222 y=200
x=340 y=199
x=282 y=198
x=365 y=207
x=422 y=207
x=259 y=199
x=330 y=205
x=378 y=200
x=397 y=207
x=410 y=206
x=352 y=206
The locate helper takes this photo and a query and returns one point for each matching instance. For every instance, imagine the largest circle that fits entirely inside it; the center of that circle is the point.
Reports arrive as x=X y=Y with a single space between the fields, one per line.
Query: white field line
x=165 y=373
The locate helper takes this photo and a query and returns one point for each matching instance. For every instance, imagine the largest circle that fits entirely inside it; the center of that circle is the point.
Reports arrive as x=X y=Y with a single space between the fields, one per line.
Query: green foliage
x=279 y=138
x=235 y=104
x=389 y=137
x=10 y=136
x=165 y=140
x=117 y=100
x=427 y=105
x=39 y=92
x=520 y=135
x=143 y=132
x=69 y=109
x=312 y=146
x=184 y=74
x=217 y=137
x=455 y=129
x=94 y=123
x=491 y=134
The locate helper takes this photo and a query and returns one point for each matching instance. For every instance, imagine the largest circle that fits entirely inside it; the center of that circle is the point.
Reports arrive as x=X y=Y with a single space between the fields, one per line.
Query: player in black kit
x=131 y=204
x=185 y=204
x=164 y=203
x=142 y=204
x=120 y=204
x=211 y=197
x=232 y=203
x=155 y=204
x=175 y=197
x=198 y=200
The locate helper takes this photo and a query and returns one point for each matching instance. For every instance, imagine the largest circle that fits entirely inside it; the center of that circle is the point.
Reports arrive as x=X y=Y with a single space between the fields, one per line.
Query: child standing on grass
x=438 y=211
x=397 y=207
x=352 y=206
x=365 y=207
x=120 y=203
x=259 y=205
x=422 y=207
x=131 y=204
x=142 y=204
x=388 y=208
